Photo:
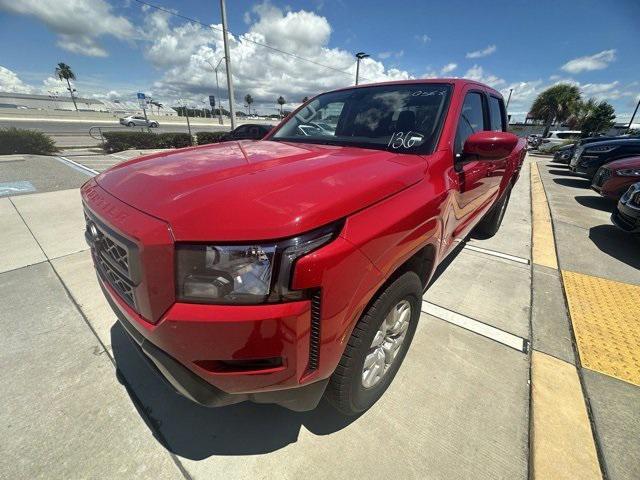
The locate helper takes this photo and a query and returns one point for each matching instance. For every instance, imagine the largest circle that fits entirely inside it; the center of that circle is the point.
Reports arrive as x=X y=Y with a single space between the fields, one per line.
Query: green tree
x=600 y=119
x=64 y=72
x=582 y=111
x=248 y=99
x=557 y=103
x=281 y=101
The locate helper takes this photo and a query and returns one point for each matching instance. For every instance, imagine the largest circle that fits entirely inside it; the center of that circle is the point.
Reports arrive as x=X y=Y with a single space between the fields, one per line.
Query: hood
x=629 y=162
x=256 y=190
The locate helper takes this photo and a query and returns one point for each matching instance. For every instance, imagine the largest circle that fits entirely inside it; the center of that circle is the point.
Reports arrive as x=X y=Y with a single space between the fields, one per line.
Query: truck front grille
x=112 y=255
x=114 y=279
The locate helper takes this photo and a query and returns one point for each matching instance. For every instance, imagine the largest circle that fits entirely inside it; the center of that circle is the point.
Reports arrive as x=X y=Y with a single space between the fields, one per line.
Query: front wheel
x=153 y=125
x=377 y=346
x=491 y=222
x=131 y=124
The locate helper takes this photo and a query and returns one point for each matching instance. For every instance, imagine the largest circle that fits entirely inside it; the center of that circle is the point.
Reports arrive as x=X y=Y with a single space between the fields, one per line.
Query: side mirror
x=489 y=145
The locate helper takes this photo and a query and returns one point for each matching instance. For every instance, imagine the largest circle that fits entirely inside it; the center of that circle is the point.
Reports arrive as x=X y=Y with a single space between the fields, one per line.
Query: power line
x=283 y=52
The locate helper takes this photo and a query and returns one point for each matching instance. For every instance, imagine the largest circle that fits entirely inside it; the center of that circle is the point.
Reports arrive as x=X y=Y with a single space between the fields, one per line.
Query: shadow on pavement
x=597 y=203
x=196 y=432
x=562 y=172
x=573 y=182
x=616 y=243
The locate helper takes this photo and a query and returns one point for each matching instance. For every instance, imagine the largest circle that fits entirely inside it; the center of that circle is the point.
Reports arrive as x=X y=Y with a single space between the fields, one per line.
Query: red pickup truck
x=293 y=267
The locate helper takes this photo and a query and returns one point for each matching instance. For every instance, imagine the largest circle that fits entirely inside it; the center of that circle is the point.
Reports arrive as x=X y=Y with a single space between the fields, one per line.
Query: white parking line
x=475 y=326
x=494 y=253
x=77 y=166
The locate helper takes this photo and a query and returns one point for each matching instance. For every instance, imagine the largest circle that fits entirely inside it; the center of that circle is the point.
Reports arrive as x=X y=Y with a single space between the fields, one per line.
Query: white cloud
x=597 y=61
x=78 y=23
x=449 y=67
x=384 y=55
x=10 y=82
x=482 y=53
x=424 y=38
x=183 y=50
x=478 y=74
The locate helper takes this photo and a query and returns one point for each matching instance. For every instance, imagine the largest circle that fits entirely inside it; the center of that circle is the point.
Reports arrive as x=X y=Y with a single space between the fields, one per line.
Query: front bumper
x=185 y=380
x=626 y=218
x=588 y=171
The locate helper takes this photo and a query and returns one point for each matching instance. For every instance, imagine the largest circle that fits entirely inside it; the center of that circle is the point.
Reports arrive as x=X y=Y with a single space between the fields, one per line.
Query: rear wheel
x=491 y=222
x=131 y=124
x=377 y=346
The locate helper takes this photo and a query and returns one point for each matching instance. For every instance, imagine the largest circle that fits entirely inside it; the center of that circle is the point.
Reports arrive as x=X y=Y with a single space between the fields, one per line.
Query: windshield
x=404 y=118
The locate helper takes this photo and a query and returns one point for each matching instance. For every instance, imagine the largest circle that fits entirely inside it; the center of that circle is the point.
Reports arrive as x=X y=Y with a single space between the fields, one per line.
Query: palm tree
x=281 y=101
x=64 y=72
x=248 y=99
x=556 y=103
x=582 y=112
x=156 y=104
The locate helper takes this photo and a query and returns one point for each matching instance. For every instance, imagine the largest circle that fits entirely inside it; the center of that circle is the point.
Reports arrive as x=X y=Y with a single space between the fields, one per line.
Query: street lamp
x=359 y=56
x=215 y=69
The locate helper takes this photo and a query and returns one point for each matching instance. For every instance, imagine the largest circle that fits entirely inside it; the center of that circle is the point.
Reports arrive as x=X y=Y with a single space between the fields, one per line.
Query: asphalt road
x=82 y=128
x=70 y=133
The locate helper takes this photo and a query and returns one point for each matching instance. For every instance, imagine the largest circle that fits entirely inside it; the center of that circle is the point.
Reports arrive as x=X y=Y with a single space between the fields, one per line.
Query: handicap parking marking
x=12 y=188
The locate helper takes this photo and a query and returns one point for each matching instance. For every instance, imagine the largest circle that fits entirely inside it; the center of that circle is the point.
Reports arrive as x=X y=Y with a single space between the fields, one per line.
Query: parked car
x=534 y=140
x=293 y=267
x=138 y=121
x=249 y=131
x=587 y=159
x=554 y=138
x=615 y=178
x=564 y=154
x=627 y=215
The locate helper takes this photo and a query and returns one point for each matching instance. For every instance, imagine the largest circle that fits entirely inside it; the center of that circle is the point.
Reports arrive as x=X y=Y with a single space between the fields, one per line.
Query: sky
x=119 y=47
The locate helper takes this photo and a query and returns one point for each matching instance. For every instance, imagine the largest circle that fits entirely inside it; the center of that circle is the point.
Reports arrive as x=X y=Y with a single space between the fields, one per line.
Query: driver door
x=474 y=178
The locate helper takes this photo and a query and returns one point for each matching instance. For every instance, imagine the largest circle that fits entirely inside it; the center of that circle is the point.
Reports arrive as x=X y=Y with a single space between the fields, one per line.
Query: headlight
x=601 y=149
x=629 y=172
x=244 y=274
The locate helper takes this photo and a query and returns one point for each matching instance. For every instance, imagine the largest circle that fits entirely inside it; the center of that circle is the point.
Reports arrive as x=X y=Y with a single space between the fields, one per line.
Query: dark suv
x=564 y=154
x=587 y=159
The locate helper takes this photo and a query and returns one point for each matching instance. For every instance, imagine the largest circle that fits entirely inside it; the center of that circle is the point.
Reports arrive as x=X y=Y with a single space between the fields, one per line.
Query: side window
x=496 y=114
x=471 y=119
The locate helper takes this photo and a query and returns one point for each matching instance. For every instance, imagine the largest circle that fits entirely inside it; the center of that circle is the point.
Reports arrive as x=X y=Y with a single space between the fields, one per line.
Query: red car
x=293 y=267
x=615 y=178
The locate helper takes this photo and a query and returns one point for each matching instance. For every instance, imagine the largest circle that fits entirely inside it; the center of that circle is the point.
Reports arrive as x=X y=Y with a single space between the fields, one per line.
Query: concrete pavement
x=459 y=407
x=600 y=273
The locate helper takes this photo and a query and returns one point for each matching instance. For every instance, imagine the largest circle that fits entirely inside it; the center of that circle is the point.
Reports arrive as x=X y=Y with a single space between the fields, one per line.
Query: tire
x=491 y=222
x=346 y=390
x=131 y=124
x=153 y=125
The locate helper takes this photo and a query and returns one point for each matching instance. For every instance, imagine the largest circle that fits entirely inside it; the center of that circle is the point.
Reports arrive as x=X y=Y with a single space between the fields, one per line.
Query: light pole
x=508 y=99
x=633 y=116
x=359 y=56
x=232 y=109
x=215 y=69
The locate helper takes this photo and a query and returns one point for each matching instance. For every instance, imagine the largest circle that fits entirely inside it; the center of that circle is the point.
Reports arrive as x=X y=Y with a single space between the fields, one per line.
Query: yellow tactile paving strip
x=562 y=446
x=543 y=249
x=606 y=321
